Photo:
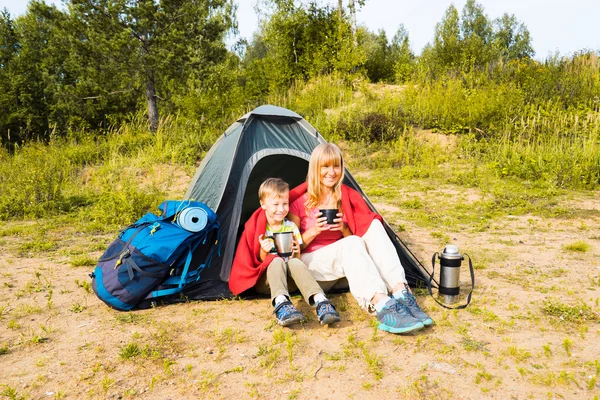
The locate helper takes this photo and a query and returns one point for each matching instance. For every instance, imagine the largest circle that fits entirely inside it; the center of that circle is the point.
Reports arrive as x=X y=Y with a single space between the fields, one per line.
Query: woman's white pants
x=370 y=263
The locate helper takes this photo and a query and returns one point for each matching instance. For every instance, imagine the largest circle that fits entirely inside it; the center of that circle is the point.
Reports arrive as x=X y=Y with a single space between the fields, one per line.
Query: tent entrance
x=290 y=168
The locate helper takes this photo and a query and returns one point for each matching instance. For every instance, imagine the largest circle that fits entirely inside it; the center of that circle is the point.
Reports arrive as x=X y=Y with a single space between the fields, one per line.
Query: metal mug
x=283 y=243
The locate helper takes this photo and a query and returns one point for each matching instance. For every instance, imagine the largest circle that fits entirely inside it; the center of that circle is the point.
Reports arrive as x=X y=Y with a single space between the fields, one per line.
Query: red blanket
x=247 y=267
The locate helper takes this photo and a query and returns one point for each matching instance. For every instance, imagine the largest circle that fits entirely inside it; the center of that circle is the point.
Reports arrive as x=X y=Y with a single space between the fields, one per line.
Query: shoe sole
x=291 y=321
x=330 y=319
x=406 y=329
x=427 y=322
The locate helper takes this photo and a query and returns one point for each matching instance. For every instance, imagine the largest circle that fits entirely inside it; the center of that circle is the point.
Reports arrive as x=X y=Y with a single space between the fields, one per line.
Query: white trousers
x=370 y=263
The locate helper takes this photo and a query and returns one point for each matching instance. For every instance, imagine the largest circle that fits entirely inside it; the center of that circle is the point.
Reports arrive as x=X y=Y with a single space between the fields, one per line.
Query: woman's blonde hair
x=324 y=155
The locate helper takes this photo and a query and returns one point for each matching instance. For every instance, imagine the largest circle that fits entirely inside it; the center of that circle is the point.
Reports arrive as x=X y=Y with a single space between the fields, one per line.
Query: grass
x=82 y=261
x=130 y=350
x=497 y=194
x=580 y=313
x=579 y=246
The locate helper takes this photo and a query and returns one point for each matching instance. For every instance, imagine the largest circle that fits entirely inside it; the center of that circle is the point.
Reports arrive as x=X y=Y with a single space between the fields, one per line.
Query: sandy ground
x=531 y=332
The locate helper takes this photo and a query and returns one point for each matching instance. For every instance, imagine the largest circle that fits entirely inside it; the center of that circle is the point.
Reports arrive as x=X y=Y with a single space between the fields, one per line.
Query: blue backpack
x=152 y=258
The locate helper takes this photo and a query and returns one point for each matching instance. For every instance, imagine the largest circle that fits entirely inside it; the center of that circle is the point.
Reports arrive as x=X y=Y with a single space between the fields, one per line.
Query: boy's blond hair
x=273 y=187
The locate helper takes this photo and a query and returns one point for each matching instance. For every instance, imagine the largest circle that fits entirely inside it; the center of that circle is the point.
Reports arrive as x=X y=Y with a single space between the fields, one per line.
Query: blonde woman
x=355 y=246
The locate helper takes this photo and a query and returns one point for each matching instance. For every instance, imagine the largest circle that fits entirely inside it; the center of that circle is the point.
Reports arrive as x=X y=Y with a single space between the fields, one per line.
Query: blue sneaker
x=327 y=313
x=411 y=303
x=396 y=318
x=287 y=314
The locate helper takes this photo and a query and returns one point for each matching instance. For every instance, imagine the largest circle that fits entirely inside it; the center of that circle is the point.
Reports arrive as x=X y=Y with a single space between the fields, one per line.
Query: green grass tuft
x=579 y=246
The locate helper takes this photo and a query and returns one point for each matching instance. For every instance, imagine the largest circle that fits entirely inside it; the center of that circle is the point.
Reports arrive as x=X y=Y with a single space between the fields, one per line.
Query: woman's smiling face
x=330 y=174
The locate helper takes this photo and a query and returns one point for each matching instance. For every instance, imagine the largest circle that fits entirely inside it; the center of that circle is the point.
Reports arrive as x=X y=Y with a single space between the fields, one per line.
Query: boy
x=248 y=269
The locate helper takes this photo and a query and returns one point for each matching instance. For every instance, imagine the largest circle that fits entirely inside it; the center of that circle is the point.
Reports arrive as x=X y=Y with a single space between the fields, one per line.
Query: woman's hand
x=340 y=225
x=321 y=224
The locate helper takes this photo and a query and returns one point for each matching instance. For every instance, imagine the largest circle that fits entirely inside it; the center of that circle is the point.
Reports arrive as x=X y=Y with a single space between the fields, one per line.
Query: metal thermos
x=450 y=260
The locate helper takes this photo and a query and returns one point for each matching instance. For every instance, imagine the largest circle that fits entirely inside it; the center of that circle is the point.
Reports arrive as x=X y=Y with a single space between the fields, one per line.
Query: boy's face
x=276 y=206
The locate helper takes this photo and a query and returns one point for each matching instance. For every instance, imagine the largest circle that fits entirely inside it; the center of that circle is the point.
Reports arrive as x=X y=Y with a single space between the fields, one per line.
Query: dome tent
x=267 y=142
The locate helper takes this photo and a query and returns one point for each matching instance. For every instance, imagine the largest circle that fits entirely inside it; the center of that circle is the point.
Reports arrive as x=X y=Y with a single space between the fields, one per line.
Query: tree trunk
x=340 y=9
x=151 y=99
x=352 y=7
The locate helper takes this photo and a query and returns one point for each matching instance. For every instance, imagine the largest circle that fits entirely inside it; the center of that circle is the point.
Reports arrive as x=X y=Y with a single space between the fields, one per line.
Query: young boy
x=248 y=269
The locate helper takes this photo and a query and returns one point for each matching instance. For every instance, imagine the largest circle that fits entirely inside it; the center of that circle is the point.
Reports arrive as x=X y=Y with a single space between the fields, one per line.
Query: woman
x=355 y=246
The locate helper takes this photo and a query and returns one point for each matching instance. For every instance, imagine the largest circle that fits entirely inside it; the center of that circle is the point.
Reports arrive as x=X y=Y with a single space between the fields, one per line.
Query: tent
x=267 y=142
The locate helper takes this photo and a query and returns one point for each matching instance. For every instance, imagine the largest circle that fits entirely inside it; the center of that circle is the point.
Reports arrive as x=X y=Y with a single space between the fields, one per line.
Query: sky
x=563 y=26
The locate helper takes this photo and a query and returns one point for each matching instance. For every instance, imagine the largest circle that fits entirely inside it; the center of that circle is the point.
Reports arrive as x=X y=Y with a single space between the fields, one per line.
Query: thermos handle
x=470 y=292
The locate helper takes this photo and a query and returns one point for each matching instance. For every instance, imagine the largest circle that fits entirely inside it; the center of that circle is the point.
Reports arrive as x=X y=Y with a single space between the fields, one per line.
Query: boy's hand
x=266 y=244
x=295 y=247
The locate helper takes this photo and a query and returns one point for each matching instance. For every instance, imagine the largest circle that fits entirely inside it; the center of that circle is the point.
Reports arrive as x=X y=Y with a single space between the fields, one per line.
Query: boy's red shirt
x=247 y=267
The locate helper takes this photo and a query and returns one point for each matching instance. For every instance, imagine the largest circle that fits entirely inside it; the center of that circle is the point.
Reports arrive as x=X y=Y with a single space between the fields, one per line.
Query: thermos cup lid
x=451 y=251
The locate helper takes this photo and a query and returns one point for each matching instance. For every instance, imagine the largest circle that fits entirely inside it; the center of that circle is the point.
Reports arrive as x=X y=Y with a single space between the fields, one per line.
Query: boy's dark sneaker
x=396 y=318
x=411 y=303
x=327 y=313
x=287 y=314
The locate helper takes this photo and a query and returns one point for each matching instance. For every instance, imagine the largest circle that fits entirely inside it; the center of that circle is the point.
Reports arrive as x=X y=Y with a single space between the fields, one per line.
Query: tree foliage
x=101 y=60
x=97 y=63
x=472 y=42
x=298 y=41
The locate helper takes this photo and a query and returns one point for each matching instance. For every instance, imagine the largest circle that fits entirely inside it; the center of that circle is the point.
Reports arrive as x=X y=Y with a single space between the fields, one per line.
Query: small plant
x=49 y=302
x=83 y=261
x=85 y=285
x=481 y=375
x=10 y=392
x=167 y=364
x=252 y=389
x=547 y=350
x=373 y=364
x=579 y=247
x=229 y=335
x=3 y=349
x=207 y=380
x=270 y=354
x=367 y=385
x=130 y=350
x=25 y=309
x=107 y=383
x=41 y=362
x=129 y=318
x=473 y=345
x=518 y=354
x=568 y=345
x=12 y=324
x=76 y=307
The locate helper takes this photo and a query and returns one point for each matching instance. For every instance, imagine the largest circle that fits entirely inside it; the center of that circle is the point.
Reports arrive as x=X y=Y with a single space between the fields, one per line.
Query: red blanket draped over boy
x=247 y=267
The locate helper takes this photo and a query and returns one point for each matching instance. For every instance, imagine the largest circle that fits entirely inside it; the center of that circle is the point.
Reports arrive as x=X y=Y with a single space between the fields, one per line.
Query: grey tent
x=267 y=142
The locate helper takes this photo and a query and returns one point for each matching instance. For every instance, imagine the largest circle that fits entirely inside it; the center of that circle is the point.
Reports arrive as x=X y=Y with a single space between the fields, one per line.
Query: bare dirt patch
x=532 y=330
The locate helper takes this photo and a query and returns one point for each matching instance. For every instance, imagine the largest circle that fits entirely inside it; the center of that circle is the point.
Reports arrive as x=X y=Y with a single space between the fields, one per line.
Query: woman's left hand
x=338 y=223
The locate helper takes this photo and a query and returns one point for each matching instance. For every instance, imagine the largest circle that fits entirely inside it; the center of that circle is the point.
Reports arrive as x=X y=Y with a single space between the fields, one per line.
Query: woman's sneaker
x=395 y=318
x=287 y=314
x=410 y=302
x=327 y=313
